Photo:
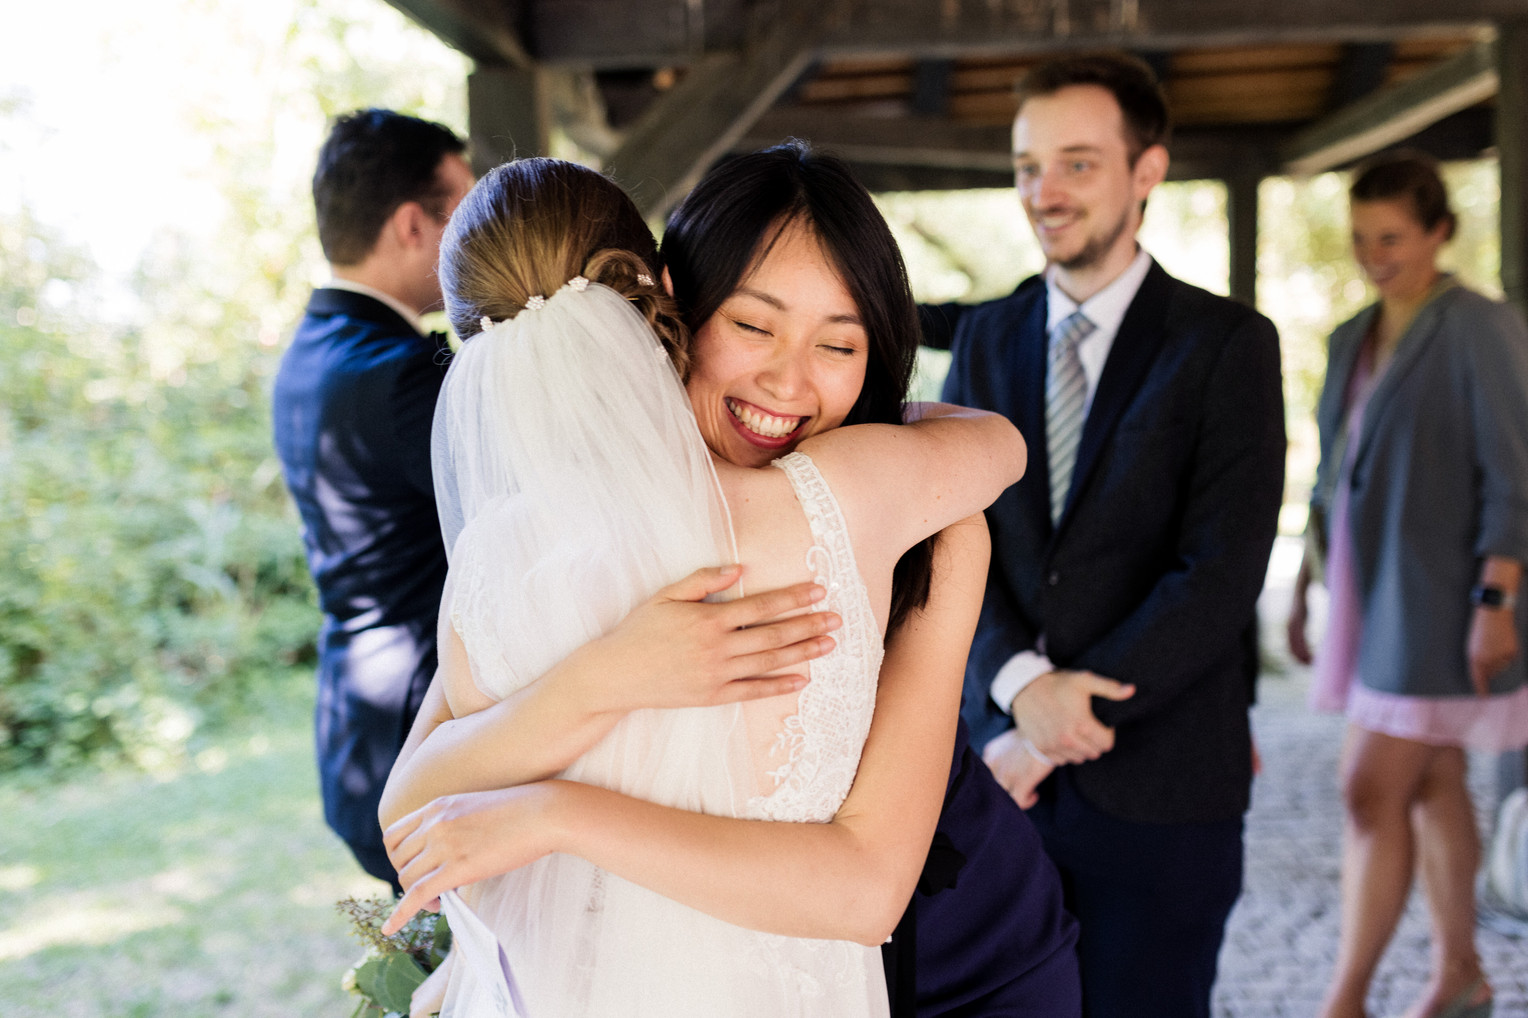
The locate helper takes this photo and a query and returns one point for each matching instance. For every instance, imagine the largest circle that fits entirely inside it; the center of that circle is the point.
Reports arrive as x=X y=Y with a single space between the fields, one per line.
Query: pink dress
x=1493 y=724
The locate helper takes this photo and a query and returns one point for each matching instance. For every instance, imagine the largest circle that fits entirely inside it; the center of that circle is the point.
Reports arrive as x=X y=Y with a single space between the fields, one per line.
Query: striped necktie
x=1066 y=394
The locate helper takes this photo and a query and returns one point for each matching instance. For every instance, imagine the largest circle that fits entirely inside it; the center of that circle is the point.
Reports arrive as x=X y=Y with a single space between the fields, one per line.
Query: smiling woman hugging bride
x=602 y=813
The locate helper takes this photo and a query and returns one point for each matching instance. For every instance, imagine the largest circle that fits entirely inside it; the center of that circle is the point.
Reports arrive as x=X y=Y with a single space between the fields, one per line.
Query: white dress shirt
x=405 y=312
x=1106 y=310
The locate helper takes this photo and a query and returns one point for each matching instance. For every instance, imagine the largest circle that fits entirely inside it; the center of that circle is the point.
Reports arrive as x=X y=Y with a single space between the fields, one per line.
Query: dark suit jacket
x=353 y=405
x=1152 y=575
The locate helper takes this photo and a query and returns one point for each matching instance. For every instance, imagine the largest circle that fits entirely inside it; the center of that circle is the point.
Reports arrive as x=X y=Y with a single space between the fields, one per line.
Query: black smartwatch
x=1485 y=595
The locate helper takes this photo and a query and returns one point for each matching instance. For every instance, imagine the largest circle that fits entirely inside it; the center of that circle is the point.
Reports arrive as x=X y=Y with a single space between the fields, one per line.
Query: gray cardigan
x=1440 y=480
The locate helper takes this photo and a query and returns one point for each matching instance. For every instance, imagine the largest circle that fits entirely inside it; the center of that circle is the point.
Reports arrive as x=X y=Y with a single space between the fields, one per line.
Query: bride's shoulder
x=754 y=493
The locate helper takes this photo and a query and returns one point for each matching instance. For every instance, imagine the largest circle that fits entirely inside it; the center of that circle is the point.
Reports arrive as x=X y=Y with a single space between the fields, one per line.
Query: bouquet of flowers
x=393 y=967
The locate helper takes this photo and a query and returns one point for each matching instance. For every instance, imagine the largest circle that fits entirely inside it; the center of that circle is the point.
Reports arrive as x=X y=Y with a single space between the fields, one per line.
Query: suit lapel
x=1342 y=360
x=1135 y=347
x=1031 y=342
x=1419 y=335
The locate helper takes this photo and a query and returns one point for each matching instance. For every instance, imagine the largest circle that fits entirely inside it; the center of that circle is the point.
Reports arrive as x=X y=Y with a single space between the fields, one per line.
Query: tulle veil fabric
x=573 y=483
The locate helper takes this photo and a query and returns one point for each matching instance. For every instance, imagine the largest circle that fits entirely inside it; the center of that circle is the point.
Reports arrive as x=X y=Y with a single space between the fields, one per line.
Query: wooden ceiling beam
x=620 y=34
x=1395 y=113
x=1361 y=70
x=931 y=152
x=903 y=141
x=966 y=27
x=629 y=34
x=701 y=118
x=482 y=29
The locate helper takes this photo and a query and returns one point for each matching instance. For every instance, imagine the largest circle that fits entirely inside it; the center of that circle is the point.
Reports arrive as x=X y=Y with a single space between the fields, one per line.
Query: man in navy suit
x=1110 y=679
x=353 y=405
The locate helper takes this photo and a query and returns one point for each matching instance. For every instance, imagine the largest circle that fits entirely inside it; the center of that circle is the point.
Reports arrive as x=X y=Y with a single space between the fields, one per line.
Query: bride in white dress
x=573 y=484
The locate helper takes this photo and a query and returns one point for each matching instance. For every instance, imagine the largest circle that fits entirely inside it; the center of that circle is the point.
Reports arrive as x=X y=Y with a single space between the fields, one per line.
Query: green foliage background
x=154 y=579
x=154 y=582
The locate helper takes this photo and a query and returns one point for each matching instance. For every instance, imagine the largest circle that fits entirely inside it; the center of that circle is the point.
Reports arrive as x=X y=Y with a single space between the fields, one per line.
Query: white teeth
x=767 y=425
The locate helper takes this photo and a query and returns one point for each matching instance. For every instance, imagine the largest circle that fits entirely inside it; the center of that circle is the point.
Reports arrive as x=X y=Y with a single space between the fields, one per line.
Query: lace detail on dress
x=819 y=746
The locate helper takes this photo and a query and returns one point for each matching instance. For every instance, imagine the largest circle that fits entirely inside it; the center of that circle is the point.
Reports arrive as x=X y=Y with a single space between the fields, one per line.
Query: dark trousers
x=1151 y=902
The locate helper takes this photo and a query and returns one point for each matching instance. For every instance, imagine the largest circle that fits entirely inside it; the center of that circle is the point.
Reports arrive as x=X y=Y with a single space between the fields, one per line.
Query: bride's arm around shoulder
x=674 y=650
x=946 y=463
x=849 y=879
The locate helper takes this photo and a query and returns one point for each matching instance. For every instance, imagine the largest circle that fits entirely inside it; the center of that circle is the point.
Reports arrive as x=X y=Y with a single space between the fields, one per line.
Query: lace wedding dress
x=573 y=484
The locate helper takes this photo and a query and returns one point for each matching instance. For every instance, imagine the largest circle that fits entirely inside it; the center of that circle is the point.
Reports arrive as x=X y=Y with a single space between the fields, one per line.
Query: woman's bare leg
x=1381 y=778
x=1448 y=854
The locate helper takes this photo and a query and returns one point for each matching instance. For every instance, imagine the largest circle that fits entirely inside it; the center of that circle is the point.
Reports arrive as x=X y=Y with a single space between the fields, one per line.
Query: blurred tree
x=155 y=579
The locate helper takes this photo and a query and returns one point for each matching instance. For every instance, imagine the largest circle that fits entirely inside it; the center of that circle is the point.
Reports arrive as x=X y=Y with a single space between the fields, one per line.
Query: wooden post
x=508 y=115
x=1241 y=220
x=1512 y=150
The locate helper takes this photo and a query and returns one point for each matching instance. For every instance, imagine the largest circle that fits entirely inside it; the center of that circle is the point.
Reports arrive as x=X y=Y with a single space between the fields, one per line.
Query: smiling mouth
x=1052 y=221
x=764 y=425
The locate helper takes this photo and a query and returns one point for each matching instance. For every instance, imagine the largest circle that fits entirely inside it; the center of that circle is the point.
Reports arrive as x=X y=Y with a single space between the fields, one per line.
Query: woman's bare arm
x=949 y=463
x=672 y=651
x=850 y=878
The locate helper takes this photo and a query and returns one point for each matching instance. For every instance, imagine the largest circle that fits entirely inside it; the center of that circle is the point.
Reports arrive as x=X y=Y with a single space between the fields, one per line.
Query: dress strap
x=817 y=749
x=831 y=555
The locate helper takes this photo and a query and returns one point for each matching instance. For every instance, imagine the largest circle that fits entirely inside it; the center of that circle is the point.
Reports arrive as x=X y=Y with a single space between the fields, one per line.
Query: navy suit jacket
x=1152 y=574
x=353 y=405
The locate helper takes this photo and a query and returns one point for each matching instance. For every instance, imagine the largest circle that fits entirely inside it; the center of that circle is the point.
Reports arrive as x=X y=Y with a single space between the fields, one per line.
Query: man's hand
x=1299 y=613
x=1492 y=645
x=1294 y=631
x=1055 y=712
x=1017 y=765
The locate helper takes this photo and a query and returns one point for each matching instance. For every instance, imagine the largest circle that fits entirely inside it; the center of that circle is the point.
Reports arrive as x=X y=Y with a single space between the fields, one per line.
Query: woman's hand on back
x=678 y=650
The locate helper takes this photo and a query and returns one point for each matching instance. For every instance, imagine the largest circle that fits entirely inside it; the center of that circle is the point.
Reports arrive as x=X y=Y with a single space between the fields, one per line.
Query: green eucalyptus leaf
x=368 y=976
x=399 y=975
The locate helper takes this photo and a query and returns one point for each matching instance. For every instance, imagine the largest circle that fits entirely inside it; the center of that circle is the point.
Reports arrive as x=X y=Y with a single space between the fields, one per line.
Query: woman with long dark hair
x=788 y=356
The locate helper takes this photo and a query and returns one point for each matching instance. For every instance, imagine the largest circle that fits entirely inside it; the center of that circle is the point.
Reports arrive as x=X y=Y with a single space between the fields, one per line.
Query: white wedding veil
x=573 y=483
x=566 y=454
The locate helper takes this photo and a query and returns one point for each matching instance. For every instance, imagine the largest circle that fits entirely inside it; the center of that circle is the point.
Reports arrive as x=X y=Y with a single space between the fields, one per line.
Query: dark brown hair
x=727 y=225
x=1410 y=177
x=1129 y=79
x=531 y=225
x=372 y=162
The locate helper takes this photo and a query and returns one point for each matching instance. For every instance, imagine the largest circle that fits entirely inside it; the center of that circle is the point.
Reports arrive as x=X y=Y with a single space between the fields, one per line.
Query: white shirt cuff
x=1020 y=670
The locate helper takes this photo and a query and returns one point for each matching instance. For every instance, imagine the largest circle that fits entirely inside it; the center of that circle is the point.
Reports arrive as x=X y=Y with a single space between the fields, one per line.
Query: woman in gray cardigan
x=1423 y=488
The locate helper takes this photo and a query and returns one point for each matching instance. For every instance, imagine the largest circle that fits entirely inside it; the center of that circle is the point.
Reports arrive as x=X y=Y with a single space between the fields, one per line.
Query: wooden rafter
x=1394 y=113
x=698 y=120
x=486 y=32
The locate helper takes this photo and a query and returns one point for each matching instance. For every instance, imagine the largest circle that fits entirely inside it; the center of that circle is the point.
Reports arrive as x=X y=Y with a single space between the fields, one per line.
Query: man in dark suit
x=354 y=400
x=1114 y=666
